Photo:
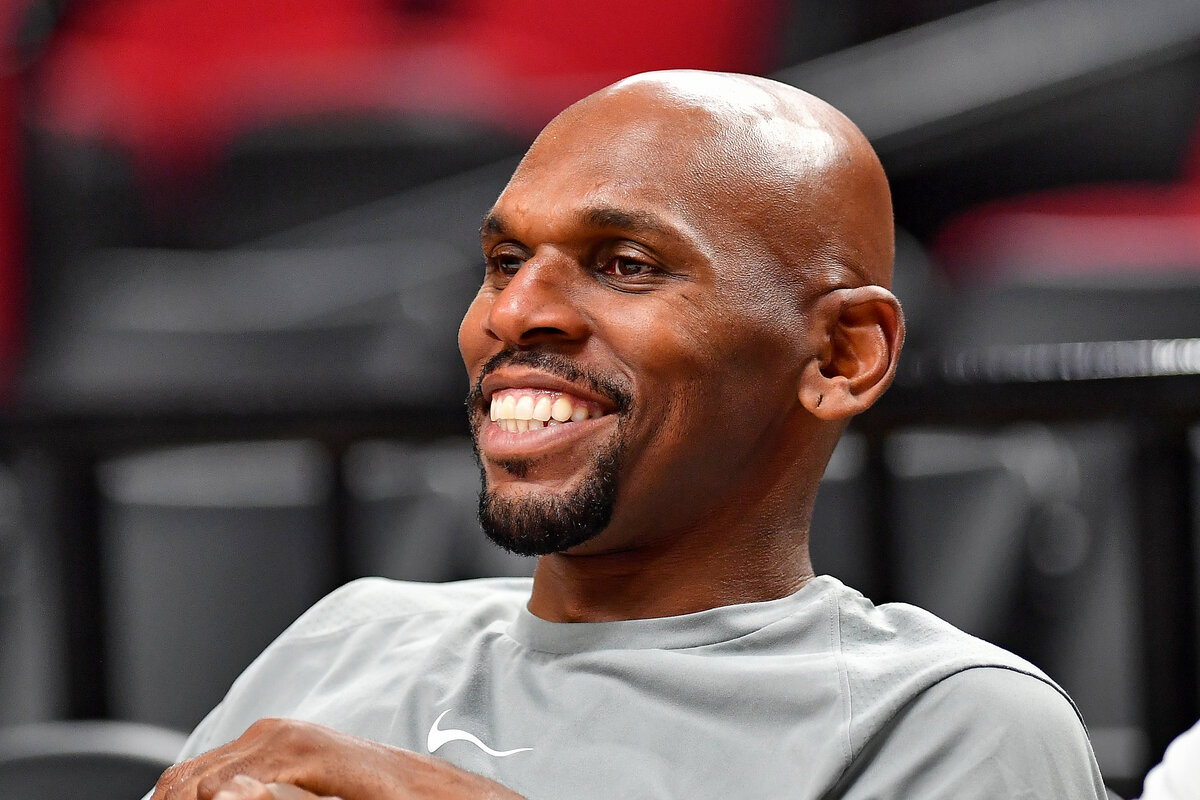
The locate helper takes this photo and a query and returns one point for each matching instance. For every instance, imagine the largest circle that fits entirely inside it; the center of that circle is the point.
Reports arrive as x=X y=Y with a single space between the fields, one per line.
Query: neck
x=667 y=578
x=748 y=543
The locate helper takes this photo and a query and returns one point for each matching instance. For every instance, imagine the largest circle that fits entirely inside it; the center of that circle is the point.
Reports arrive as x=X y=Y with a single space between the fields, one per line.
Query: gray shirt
x=817 y=695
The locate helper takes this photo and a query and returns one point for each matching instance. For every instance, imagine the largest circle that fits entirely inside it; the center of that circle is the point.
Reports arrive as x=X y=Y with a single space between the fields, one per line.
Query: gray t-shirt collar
x=701 y=628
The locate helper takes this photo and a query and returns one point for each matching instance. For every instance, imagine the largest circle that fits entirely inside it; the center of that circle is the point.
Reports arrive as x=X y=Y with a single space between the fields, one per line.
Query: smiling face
x=637 y=343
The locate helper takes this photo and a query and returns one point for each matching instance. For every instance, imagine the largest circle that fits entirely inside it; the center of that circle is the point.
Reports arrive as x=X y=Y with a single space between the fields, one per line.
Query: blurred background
x=236 y=239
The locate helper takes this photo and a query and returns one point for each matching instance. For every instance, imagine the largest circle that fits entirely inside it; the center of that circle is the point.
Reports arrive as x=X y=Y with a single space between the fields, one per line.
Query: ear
x=857 y=335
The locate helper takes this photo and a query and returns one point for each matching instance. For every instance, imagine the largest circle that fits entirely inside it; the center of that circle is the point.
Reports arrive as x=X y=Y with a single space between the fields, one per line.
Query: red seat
x=171 y=80
x=1116 y=228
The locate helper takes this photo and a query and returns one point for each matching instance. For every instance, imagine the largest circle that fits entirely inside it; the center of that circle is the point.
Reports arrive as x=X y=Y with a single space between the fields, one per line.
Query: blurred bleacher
x=237 y=242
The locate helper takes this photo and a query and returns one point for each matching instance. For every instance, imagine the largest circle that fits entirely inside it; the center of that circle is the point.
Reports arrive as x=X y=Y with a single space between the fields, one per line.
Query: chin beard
x=538 y=526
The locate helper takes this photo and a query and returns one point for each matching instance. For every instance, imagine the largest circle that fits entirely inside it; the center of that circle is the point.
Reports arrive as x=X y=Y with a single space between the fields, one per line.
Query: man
x=685 y=301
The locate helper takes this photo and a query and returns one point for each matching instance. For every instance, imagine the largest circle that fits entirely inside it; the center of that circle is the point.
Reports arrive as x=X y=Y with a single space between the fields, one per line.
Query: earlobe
x=857 y=335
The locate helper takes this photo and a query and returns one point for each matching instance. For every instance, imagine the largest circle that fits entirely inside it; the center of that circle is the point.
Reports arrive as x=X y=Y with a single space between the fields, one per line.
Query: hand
x=243 y=787
x=321 y=762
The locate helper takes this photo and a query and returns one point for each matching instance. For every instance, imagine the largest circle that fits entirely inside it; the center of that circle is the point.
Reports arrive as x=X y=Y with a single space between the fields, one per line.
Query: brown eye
x=507 y=265
x=626 y=267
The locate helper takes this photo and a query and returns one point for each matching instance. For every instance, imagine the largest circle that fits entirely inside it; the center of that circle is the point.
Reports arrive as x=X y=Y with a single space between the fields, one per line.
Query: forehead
x=628 y=176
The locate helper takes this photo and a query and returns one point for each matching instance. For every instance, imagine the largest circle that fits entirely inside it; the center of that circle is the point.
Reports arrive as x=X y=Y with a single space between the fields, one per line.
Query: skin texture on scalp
x=797 y=174
x=765 y=324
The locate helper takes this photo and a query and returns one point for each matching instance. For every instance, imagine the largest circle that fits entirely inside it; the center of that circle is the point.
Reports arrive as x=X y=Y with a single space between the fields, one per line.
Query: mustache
x=558 y=365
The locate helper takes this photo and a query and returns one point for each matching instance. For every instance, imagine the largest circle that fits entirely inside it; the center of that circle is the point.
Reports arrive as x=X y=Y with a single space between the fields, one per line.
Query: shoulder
x=891 y=653
x=899 y=662
x=982 y=732
x=996 y=703
x=899 y=633
x=349 y=642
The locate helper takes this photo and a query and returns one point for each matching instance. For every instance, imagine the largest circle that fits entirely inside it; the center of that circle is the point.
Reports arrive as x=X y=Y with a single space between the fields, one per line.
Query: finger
x=243 y=787
x=178 y=782
x=286 y=791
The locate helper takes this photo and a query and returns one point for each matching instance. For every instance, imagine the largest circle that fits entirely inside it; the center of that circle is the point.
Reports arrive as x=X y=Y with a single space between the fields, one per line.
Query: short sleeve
x=986 y=732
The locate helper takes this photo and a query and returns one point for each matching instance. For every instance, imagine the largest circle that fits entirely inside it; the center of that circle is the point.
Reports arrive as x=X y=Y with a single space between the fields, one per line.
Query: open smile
x=522 y=410
x=527 y=413
x=528 y=422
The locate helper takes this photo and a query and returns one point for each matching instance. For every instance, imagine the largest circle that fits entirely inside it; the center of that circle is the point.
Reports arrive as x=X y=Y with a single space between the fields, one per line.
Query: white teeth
x=517 y=412
x=561 y=410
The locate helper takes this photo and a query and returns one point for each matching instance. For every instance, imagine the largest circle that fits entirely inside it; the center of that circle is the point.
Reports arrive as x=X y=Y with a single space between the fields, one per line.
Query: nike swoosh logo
x=439 y=737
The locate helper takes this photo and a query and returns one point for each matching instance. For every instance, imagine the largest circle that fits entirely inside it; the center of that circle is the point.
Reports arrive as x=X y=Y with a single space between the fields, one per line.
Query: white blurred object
x=1177 y=776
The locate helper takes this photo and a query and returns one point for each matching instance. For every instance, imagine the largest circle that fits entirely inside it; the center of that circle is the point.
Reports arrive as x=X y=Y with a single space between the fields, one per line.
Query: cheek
x=662 y=346
x=722 y=350
x=683 y=378
x=715 y=375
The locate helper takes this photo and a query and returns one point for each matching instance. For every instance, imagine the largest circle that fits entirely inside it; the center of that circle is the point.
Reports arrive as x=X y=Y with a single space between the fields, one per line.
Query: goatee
x=537 y=526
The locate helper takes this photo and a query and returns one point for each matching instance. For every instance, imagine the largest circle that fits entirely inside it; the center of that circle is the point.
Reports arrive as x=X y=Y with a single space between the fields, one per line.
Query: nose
x=537 y=305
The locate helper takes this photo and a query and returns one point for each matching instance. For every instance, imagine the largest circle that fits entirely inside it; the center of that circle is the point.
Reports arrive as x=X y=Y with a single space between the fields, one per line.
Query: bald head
x=796 y=173
x=701 y=260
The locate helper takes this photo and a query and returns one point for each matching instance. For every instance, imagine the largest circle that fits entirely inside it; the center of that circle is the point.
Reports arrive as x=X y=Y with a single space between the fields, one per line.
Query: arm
x=982 y=734
x=322 y=761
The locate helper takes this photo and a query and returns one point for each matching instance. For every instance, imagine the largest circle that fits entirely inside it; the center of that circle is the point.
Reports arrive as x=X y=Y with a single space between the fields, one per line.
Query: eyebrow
x=596 y=217
x=492 y=225
x=632 y=221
